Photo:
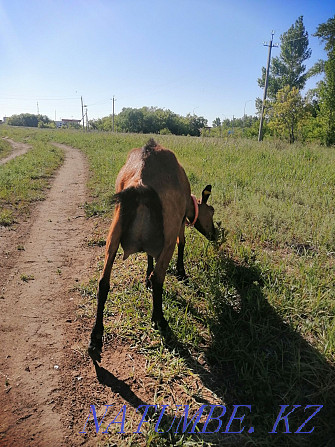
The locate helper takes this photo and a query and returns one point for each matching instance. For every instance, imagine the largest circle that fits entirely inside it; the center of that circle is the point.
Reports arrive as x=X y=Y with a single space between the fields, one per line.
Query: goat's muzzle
x=213 y=235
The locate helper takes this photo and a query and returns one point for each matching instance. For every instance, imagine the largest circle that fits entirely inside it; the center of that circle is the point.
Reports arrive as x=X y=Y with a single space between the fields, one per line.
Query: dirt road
x=18 y=149
x=40 y=262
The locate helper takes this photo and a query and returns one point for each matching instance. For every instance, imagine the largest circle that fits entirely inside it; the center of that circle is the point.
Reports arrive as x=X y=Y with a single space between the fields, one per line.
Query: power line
x=22 y=98
x=113 y=112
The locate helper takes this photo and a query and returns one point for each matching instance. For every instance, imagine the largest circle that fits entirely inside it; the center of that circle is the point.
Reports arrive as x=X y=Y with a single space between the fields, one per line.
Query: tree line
x=152 y=120
x=30 y=120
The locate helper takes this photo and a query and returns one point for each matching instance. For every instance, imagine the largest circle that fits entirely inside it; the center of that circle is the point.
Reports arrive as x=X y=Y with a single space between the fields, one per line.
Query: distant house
x=67 y=123
x=206 y=131
x=5 y=119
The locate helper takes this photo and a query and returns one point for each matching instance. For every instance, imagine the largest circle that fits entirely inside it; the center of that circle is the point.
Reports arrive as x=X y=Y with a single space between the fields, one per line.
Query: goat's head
x=205 y=223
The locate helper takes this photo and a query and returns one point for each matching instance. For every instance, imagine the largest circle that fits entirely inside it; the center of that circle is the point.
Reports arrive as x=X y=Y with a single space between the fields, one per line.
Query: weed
x=24 y=277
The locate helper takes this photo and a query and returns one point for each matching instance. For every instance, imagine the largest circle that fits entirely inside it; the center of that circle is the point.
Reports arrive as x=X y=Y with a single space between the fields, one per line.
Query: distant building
x=67 y=123
x=206 y=131
x=5 y=119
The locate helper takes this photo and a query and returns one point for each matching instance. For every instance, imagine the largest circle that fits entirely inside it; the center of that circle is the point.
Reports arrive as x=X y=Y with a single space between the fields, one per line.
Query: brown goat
x=153 y=200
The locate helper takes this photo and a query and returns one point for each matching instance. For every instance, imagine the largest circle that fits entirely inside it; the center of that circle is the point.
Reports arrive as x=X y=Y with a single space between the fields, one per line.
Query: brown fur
x=153 y=200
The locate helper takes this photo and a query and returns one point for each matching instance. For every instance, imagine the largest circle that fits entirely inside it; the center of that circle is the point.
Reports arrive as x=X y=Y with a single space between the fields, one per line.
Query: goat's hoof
x=95 y=353
x=160 y=325
x=148 y=284
x=182 y=277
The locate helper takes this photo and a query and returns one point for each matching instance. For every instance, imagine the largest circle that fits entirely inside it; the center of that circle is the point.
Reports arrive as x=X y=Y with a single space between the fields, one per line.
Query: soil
x=41 y=260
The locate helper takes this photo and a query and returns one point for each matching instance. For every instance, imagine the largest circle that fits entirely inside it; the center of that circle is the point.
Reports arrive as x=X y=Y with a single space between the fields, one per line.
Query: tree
x=326 y=93
x=152 y=120
x=287 y=111
x=288 y=68
x=130 y=120
x=28 y=120
x=195 y=124
x=216 y=122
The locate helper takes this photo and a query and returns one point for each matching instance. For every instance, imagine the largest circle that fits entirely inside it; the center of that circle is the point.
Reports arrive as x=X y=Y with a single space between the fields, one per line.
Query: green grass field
x=5 y=148
x=256 y=324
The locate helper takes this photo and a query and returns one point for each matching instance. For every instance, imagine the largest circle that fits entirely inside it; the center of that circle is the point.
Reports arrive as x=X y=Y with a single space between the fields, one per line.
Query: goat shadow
x=256 y=359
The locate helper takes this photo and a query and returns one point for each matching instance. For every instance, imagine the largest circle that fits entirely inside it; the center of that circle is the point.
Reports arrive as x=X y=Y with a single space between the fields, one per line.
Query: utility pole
x=113 y=113
x=270 y=45
x=38 y=110
x=82 y=112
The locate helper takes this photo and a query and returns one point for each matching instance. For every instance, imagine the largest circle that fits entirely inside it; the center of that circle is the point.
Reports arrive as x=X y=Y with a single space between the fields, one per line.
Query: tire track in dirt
x=18 y=149
x=34 y=307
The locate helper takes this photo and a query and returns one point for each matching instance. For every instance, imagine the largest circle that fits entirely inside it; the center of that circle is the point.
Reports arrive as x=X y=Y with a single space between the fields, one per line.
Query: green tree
x=288 y=68
x=28 y=120
x=216 y=122
x=130 y=120
x=287 y=111
x=195 y=124
x=152 y=120
x=326 y=90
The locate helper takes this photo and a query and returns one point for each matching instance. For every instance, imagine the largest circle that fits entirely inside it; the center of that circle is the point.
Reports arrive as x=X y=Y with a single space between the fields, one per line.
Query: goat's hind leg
x=157 y=279
x=149 y=271
x=112 y=244
x=181 y=275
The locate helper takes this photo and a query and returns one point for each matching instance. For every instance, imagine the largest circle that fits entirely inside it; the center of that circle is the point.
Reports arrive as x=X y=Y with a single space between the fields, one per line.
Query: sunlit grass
x=5 y=148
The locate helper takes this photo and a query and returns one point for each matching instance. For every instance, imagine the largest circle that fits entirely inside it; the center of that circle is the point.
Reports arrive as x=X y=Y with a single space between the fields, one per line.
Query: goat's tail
x=130 y=200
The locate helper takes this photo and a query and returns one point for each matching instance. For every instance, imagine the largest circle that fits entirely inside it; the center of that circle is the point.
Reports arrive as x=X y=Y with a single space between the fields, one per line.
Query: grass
x=256 y=324
x=5 y=148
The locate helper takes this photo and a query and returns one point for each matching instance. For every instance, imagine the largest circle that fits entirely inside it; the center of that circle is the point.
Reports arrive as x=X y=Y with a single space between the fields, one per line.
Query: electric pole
x=38 y=110
x=113 y=113
x=82 y=112
x=270 y=45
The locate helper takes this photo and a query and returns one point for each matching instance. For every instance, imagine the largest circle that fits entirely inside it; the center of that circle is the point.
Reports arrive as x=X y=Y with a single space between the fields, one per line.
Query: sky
x=200 y=57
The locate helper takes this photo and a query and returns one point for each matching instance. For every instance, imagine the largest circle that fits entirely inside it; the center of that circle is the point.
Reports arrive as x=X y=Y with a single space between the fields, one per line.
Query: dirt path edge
x=37 y=307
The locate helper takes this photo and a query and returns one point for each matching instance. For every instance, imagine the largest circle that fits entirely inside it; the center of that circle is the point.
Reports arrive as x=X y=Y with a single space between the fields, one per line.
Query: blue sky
x=189 y=56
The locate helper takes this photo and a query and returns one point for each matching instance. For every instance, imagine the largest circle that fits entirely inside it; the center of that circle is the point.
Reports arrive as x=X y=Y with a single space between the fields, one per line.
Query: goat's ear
x=206 y=193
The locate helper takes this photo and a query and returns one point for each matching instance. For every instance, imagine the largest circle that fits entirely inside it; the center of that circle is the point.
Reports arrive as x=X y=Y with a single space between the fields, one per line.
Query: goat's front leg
x=112 y=244
x=181 y=275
